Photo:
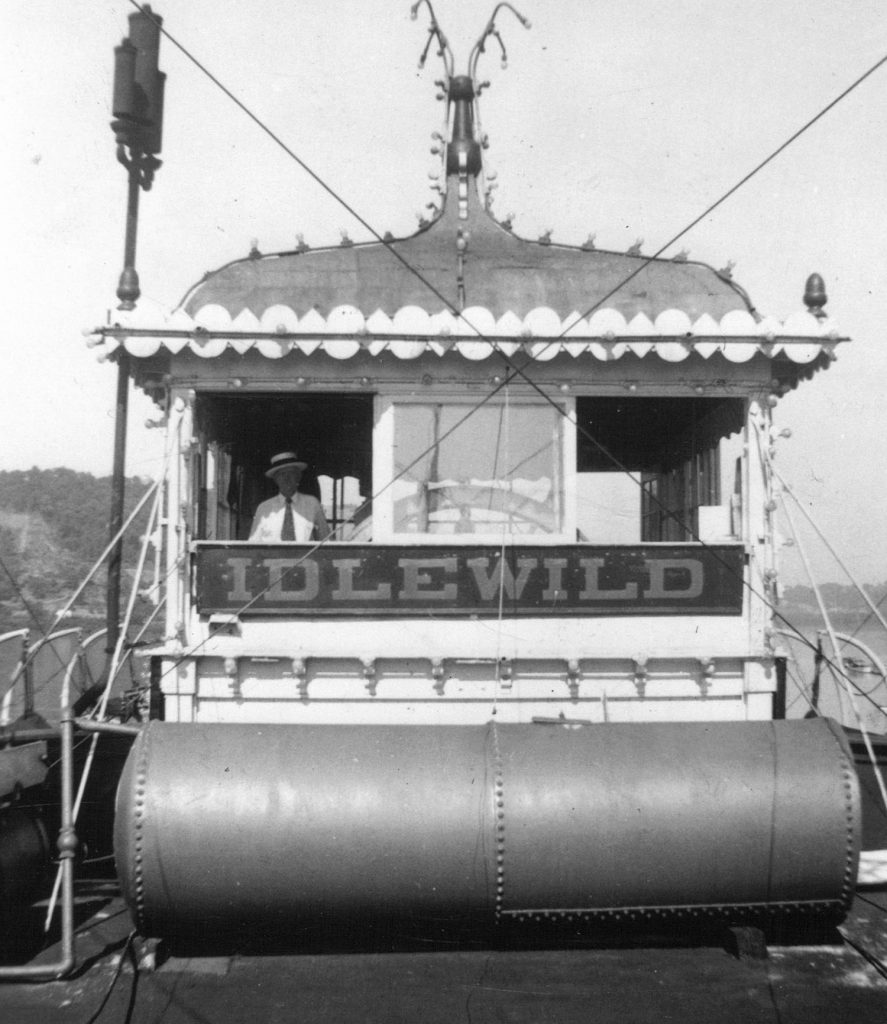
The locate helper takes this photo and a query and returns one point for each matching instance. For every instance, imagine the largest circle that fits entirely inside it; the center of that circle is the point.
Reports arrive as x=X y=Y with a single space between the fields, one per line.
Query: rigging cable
x=873 y=608
x=865 y=621
x=62 y=613
x=507 y=532
x=739 y=184
x=21 y=596
x=117 y=654
x=843 y=673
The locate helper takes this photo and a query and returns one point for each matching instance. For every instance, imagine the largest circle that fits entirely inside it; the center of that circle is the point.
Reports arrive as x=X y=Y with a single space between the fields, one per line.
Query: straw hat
x=284 y=460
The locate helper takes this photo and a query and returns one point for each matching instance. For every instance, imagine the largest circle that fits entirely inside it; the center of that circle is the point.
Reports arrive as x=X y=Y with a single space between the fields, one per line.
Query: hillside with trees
x=53 y=528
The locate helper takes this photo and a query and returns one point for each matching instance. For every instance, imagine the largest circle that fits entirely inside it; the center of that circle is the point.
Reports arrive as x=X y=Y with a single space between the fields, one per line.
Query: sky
x=625 y=120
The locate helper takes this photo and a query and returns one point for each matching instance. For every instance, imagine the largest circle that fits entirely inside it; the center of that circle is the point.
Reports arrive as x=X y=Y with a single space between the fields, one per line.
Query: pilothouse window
x=658 y=469
x=596 y=469
x=460 y=471
x=238 y=434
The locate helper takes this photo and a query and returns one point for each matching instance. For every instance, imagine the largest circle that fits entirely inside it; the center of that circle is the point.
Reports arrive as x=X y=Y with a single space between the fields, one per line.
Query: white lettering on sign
x=283 y=572
x=660 y=566
x=421 y=582
x=449 y=580
x=345 y=590
x=592 y=591
x=489 y=580
x=238 y=592
x=554 y=590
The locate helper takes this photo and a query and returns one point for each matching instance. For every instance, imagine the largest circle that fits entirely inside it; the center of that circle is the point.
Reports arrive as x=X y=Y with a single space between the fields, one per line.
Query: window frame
x=383 y=471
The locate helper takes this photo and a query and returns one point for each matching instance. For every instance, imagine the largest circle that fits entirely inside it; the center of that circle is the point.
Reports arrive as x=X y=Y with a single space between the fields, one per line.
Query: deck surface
x=830 y=981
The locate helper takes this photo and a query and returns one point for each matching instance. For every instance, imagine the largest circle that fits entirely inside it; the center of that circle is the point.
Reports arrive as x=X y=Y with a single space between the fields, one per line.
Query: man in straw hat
x=289 y=515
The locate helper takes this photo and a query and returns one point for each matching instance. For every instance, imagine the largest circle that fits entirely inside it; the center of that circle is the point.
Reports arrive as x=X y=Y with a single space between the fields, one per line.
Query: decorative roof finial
x=815 y=297
x=434 y=31
x=463 y=151
x=491 y=30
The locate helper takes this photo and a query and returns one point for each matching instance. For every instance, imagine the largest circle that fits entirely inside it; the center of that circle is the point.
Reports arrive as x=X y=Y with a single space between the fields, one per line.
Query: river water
x=869 y=687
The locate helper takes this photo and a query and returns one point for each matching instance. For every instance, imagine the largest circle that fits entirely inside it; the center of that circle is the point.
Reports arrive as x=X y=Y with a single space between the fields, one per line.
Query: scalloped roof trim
x=542 y=333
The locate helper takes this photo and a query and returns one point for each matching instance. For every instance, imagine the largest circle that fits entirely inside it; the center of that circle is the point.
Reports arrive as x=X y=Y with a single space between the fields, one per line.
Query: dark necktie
x=288 y=532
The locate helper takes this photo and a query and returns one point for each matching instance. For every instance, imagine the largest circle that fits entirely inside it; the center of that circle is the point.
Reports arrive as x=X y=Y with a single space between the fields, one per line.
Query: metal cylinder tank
x=247 y=825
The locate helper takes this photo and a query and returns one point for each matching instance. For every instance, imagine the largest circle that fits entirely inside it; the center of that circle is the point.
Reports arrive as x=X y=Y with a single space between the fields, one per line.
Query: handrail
x=866 y=650
x=22 y=666
x=12 y=635
x=24 y=669
x=843 y=678
x=67 y=847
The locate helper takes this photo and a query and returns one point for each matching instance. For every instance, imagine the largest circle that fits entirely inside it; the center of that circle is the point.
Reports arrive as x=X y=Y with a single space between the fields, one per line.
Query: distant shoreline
x=809 y=621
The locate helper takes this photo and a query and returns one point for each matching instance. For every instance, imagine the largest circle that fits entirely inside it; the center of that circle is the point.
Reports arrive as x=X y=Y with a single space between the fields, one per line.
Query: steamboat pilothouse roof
x=465 y=278
x=464 y=257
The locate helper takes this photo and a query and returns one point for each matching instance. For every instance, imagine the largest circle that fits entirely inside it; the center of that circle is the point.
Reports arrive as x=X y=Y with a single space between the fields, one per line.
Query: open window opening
x=238 y=434
x=657 y=469
x=681 y=453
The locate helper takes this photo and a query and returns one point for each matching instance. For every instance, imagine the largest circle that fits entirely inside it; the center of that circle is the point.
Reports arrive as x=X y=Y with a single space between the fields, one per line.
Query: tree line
x=837 y=597
x=53 y=528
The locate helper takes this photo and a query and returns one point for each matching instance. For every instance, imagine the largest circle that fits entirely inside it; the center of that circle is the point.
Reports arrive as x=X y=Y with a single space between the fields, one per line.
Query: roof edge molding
x=476 y=333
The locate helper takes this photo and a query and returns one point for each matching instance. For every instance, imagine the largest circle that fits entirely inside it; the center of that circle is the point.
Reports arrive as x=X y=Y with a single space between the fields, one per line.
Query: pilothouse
x=500 y=430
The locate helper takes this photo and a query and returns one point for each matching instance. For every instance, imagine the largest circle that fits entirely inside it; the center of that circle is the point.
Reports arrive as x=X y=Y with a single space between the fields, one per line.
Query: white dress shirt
x=308 y=519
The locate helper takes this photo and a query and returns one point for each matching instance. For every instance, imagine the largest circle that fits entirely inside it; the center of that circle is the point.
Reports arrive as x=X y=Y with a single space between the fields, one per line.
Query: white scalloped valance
x=475 y=333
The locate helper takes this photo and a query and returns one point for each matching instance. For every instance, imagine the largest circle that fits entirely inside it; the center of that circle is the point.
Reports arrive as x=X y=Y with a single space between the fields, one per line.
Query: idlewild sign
x=369 y=579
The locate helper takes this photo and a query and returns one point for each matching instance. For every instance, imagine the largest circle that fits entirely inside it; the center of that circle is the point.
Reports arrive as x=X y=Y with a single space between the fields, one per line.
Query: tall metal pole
x=138 y=126
x=118 y=494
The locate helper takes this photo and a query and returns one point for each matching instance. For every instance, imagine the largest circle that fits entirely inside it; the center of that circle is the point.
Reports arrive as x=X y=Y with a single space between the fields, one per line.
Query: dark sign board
x=379 y=579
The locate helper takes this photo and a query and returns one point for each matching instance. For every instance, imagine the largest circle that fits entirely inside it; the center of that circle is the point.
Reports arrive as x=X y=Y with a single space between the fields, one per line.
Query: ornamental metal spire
x=463 y=140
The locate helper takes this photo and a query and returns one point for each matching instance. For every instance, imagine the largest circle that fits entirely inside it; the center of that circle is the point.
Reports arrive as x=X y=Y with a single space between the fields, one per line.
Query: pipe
x=108 y=728
x=67 y=848
x=13 y=736
x=118 y=491
x=10 y=736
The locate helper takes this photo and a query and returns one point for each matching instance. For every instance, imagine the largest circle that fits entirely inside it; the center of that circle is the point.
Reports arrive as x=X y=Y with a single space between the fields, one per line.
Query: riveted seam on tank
x=847 y=772
x=540 y=914
x=140 y=803
x=499 y=819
